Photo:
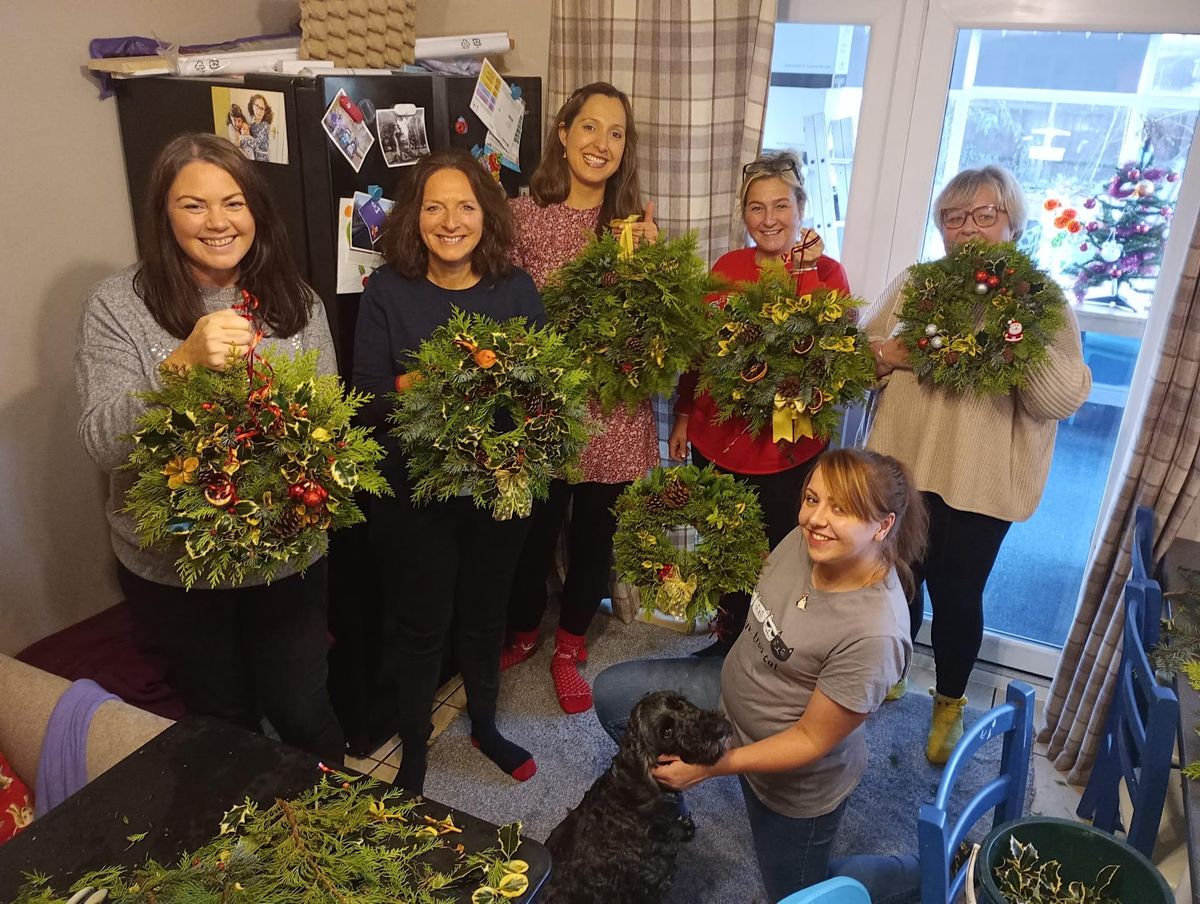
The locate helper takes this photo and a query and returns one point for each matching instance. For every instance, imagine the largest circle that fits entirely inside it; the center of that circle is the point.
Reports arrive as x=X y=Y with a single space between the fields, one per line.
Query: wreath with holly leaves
x=636 y=316
x=499 y=411
x=249 y=467
x=787 y=360
x=727 y=557
x=980 y=319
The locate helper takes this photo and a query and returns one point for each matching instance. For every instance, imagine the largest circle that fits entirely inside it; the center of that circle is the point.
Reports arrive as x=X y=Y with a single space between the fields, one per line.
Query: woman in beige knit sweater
x=980 y=461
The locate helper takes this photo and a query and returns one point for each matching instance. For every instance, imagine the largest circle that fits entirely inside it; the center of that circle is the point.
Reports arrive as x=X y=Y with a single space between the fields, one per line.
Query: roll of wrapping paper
x=451 y=46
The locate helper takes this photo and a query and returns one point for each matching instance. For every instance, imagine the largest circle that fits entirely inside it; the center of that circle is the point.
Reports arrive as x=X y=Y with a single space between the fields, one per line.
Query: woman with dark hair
x=446 y=245
x=261 y=117
x=237 y=125
x=210 y=231
x=586 y=179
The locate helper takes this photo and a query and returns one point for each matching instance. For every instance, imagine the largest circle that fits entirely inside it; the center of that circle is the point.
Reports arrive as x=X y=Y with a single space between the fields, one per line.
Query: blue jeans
x=792 y=852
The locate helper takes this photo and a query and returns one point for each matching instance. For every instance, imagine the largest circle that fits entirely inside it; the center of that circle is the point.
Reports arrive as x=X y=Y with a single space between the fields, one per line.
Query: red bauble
x=296 y=491
x=981 y=275
x=312 y=498
x=922 y=342
x=993 y=281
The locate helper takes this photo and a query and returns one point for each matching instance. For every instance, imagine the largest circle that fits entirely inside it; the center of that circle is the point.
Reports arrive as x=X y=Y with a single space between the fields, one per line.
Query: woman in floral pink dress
x=586 y=179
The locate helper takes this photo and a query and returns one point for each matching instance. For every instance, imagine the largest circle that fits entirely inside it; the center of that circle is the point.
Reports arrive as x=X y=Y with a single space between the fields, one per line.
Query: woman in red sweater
x=772 y=198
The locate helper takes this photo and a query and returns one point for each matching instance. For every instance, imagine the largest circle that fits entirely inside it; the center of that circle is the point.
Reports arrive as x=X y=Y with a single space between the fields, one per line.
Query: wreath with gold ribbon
x=247 y=468
x=637 y=316
x=980 y=319
x=499 y=411
x=727 y=557
x=786 y=359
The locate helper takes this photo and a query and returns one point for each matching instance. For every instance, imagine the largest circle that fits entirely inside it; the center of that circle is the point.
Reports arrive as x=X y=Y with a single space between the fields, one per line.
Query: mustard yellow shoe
x=897 y=690
x=945 y=728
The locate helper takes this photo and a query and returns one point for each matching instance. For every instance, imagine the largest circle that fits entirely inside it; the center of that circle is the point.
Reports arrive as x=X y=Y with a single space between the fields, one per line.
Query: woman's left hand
x=673 y=773
x=645 y=229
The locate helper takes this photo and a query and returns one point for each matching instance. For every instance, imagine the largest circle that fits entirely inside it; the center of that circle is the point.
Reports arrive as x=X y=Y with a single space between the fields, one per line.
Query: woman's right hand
x=890 y=354
x=408 y=380
x=677 y=445
x=211 y=340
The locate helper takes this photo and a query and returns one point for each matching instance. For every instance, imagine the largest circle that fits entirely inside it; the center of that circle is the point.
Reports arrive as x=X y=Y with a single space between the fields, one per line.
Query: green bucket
x=1082 y=852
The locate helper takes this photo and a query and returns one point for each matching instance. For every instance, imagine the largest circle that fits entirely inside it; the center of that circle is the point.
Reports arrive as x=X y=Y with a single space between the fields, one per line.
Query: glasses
x=983 y=216
x=776 y=165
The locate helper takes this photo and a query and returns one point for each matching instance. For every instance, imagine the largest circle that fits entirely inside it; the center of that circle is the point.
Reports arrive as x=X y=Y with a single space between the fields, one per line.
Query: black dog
x=619 y=845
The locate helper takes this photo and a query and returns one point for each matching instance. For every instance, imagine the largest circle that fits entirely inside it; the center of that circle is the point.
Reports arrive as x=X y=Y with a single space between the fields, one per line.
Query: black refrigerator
x=307 y=190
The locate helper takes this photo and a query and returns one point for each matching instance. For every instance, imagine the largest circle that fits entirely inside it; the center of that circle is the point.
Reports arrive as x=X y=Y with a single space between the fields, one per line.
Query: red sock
x=574 y=694
x=512 y=758
x=524 y=644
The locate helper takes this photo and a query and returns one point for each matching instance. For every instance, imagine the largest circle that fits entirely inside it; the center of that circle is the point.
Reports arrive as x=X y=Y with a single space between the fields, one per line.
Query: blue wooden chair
x=841 y=890
x=937 y=838
x=1143 y=570
x=1140 y=740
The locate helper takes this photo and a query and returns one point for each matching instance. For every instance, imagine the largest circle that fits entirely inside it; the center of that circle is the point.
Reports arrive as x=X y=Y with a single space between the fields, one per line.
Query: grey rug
x=719 y=864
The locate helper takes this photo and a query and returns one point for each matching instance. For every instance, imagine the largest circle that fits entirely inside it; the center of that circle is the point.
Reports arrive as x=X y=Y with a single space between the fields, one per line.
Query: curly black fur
x=620 y=844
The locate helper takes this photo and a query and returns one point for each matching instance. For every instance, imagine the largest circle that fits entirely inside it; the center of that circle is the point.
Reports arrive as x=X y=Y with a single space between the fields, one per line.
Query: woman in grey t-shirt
x=826 y=637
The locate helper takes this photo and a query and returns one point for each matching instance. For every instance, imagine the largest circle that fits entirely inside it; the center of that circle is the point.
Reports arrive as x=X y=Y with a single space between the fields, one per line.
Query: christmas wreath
x=980 y=318
x=498 y=412
x=249 y=467
x=787 y=359
x=636 y=316
x=727 y=557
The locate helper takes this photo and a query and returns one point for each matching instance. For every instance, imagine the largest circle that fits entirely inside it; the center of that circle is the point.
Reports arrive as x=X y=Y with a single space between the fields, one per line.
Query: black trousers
x=248 y=652
x=440 y=565
x=589 y=556
x=962 y=550
x=779 y=496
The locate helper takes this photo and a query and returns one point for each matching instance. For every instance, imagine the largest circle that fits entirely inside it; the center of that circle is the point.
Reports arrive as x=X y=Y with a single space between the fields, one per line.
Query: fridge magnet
x=253 y=120
x=366 y=223
x=402 y=137
x=353 y=266
x=343 y=123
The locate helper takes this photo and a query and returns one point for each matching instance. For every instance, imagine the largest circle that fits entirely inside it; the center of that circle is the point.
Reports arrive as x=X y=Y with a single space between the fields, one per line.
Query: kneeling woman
x=446 y=245
x=826 y=637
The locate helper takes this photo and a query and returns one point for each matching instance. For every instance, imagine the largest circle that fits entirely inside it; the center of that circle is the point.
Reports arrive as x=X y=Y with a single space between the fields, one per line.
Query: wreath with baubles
x=249 y=467
x=727 y=557
x=636 y=316
x=786 y=359
x=980 y=319
x=498 y=412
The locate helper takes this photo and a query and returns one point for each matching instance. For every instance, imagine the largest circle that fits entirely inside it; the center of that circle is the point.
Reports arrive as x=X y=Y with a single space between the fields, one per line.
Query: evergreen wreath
x=499 y=411
x=346 y=839
x=249 y=467
x=787 y=360
x=980 y=318
x=727 y=557
x=637 y=319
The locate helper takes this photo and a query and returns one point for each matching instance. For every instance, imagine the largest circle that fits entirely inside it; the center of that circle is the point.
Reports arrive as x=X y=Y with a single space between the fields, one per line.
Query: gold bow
x=965 y=345
x=831 y=312
x=675 y=593
x=625 y=238
x=838 y=344
x=790 y=421
x=513 y=496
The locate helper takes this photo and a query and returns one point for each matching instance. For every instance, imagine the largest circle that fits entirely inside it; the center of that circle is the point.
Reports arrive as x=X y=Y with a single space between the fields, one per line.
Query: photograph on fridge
x=343 y=123
x=253 y=120
x=402 y=137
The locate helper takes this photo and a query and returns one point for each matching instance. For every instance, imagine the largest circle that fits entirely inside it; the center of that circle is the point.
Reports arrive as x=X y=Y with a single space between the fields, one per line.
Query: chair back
x=938 y=836
x=840 y=890
x=1143 y=570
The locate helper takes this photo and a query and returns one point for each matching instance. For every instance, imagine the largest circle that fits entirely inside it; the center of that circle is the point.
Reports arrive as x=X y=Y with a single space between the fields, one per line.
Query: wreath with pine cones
x=499 y=411
x=636 y=319
x=787 y=360
x=980 y=319
x=727 y=557
x=248 y=468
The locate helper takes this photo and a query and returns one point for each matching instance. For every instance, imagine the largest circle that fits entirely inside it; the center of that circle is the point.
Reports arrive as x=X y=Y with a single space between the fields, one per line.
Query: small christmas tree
x=1125 y=240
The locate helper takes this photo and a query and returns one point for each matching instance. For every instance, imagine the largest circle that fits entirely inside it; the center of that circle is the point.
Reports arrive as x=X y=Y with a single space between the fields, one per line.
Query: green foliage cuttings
x=1025 y=877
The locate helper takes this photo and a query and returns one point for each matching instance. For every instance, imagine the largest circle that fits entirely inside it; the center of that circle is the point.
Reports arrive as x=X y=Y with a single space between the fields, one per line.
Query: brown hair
x=268 y=113
x=401 y=241
x=165 y=281
x=551 y=181
x=870 y=486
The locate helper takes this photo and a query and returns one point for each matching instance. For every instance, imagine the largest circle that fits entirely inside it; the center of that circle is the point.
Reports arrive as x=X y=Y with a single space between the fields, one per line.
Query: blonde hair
x=871 y=486
x=962 y=188
x=785 y=166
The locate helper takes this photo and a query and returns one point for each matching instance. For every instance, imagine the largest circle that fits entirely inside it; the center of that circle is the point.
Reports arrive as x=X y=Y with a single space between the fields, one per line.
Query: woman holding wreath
x=446 y=245
x=234 y=652
x=586 y=179
x=981 y=461
x=772 y=199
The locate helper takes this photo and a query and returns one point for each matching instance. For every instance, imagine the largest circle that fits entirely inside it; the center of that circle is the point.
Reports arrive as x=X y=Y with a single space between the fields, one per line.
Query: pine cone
x=635 y=344
x=655 y=503
x=208 y=477
x=293 y=520
x=789 y=387
x=609 y=279
x=751 y=333
x=676 y=494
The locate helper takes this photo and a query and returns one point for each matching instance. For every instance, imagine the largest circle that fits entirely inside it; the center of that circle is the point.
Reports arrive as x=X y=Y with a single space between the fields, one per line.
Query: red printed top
x=545 y=239
x=730 y=444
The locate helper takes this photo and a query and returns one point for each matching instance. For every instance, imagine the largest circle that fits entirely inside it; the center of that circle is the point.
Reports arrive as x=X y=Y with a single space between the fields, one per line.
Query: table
x=176 y=788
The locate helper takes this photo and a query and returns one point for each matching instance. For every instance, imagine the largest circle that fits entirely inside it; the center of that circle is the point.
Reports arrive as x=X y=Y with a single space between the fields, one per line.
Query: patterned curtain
x=696 y=73
x=1161 y=472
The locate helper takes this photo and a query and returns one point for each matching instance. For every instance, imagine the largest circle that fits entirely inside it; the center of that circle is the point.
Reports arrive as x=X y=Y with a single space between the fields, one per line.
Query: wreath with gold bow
x=637 y=316
x=980 y=319
x=786 y=359
x=727 y=557
x=246 y=469
x=499 y=411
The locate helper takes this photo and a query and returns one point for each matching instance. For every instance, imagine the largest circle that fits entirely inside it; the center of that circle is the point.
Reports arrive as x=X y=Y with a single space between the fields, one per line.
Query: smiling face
x=211 y=221
x=999 y=231
x=258 y=109
x=451 y=219
x=595 y=142
x=834 y=536
x=772 y=215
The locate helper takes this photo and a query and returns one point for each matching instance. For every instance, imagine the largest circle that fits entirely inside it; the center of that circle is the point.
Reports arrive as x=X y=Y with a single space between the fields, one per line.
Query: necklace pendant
x=802 y=603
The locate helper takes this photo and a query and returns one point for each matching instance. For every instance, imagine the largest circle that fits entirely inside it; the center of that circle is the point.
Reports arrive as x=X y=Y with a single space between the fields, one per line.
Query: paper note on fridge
x=493 y=103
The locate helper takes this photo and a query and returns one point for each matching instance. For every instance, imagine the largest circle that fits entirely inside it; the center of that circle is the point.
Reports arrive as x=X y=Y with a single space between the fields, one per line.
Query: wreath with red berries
x=980 y=319
x=246 y=469
x=728 y=556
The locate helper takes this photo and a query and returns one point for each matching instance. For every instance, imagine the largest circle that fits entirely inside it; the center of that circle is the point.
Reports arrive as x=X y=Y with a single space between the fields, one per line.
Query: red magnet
x=460 y=125
x=351 y=108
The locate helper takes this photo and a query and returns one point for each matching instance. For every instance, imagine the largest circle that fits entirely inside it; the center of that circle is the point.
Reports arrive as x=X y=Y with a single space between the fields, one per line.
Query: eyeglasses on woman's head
x=771 y=165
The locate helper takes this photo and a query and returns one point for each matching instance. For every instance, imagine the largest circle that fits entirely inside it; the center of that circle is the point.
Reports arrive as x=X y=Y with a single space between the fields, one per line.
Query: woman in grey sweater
x=234 y=652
